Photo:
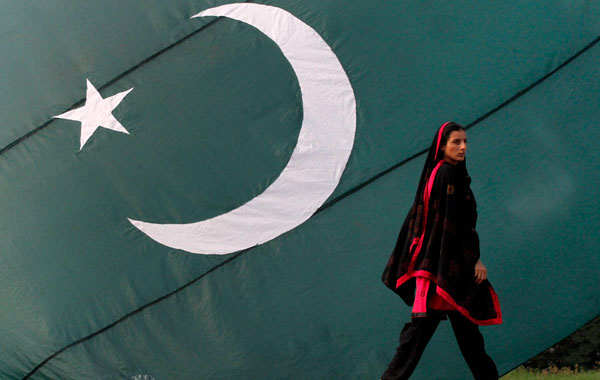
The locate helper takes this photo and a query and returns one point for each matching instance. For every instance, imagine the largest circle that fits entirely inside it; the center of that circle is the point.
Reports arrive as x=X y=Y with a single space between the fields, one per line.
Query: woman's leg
x=414 y=337
x=470 y=342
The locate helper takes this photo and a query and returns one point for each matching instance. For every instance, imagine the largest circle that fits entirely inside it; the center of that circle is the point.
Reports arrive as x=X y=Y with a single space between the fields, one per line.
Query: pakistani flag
x=209 y=190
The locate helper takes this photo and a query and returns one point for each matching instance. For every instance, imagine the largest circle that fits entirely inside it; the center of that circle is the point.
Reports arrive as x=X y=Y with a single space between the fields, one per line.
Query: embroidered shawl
x=438 y=242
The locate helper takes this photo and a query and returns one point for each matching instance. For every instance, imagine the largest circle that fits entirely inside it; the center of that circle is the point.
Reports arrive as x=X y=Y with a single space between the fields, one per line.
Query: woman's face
x=456 y=147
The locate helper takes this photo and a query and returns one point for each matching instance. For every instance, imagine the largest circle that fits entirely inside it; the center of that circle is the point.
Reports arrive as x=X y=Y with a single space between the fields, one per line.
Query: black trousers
x=416 y=334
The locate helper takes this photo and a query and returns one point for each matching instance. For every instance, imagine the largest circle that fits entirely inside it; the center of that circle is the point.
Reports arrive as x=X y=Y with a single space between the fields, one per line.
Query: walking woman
x=435 y=266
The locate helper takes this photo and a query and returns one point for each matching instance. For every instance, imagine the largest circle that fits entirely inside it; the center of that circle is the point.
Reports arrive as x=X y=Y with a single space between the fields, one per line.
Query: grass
x=522 y=373
x=577 y=357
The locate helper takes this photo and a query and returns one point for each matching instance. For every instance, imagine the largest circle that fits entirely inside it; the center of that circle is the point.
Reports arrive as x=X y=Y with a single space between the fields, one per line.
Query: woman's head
x=449 y=143
x=452 y=143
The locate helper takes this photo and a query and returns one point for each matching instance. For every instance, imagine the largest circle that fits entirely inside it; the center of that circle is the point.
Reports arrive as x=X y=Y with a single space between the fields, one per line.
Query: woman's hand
x=480 y=272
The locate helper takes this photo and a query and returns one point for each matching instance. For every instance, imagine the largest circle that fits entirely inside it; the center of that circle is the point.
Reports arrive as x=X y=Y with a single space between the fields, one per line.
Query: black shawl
x=438 y=241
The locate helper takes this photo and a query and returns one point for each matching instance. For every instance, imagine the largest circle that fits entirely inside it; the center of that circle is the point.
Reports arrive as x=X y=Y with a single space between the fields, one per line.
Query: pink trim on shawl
x=420 y=304
x=423 y=302
x=438 y=303
x=465 y=312
x=426 y=194
x=448 y=298
x=437 y=148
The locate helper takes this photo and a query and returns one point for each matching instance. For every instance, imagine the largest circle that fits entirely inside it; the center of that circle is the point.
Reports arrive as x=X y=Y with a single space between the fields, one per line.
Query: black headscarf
x=438 y=240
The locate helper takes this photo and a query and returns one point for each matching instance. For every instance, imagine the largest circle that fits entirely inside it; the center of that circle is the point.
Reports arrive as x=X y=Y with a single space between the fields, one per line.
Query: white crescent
x=317 y=162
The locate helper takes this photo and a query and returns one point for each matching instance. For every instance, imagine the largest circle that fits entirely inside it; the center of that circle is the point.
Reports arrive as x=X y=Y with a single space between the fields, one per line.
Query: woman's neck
x=450 y=161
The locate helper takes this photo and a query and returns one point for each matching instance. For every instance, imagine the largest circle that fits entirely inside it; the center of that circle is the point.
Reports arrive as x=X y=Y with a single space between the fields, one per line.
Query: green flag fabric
x=122 y=118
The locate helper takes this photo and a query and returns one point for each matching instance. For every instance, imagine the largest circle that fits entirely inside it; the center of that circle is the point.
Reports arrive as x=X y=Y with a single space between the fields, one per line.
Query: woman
x=435 y=266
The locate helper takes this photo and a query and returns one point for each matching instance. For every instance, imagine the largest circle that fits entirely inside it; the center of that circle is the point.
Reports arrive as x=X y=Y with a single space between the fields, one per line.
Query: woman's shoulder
x=446 y=172
x=452 y=177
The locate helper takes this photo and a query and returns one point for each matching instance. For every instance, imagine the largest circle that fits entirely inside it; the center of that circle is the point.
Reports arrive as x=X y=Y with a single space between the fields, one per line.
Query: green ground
x=565 y=374
x=577 y=356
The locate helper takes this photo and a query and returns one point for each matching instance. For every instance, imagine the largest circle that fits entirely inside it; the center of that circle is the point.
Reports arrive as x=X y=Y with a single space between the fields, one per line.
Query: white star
x=96 y=112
